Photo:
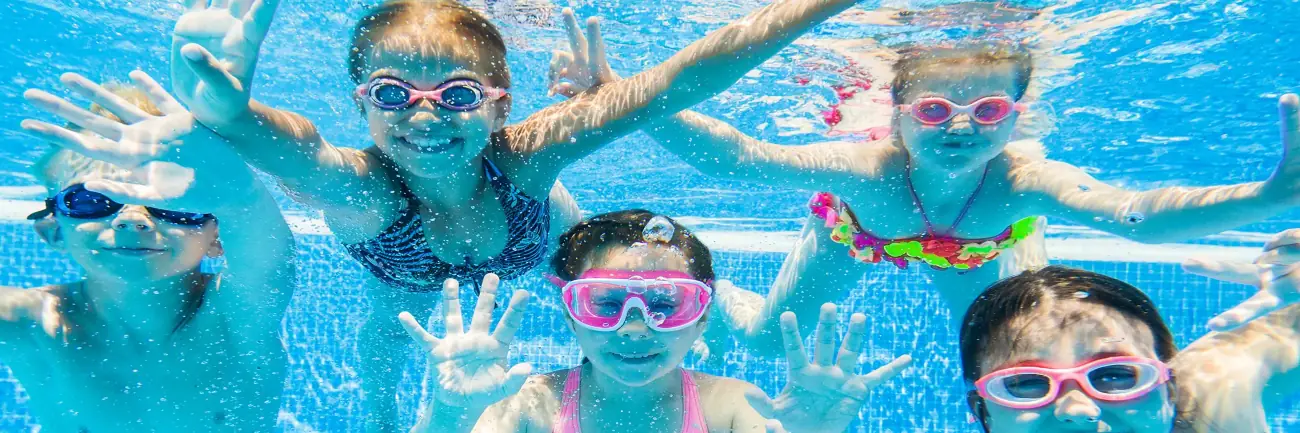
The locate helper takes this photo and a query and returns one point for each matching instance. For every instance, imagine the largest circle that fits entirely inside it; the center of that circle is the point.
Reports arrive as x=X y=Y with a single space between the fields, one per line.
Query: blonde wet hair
x=441 y=28
x=59 y=168
x=916 y=63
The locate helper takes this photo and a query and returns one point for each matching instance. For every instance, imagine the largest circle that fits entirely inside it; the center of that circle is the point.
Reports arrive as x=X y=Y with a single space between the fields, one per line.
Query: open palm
x=468 y=369
x=214 y=53
x=824 y=395
x=1276 y=272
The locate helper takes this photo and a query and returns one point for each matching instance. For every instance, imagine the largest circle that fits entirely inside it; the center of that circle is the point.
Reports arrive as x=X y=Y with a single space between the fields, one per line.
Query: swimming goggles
x=602 y=298
x=985 y=111
x=78 y=202
x=1114 y=379
x=389 y=93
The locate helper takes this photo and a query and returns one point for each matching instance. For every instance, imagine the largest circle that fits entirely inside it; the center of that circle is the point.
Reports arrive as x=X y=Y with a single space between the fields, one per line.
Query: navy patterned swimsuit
x=401 y=257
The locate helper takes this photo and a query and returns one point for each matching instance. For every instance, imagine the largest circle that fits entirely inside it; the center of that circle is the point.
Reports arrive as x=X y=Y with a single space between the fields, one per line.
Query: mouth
x=635 y=359
x=430 y=144
x=959 y=144
x=134 y=251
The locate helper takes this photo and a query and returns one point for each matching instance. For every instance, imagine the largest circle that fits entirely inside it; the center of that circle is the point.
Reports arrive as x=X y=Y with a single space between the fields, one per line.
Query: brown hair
x=913 y=61
x=624 y=228
x=422 y=25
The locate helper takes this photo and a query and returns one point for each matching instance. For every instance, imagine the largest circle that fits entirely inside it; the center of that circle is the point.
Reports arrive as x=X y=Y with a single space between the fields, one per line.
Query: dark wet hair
x=624 y=228
x=990 y=317
x=914 y=60
x=423 y=23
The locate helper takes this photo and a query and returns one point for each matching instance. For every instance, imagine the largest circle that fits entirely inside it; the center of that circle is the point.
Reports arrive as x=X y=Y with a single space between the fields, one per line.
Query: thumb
x=221 y=84
x=761 y=403
x=515 y=379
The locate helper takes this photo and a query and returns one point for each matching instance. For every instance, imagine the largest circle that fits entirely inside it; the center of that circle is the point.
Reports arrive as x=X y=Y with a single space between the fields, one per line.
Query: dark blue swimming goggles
x=78 y=202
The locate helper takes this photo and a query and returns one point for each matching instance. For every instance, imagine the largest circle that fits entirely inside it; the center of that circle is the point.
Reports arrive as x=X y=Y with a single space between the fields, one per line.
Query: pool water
x=1185 y=96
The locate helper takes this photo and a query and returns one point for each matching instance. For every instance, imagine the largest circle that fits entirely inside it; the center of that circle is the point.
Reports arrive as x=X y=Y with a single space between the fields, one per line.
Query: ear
x=361 y=104
x=50 y=231
x=503 y=113
x=215 y=250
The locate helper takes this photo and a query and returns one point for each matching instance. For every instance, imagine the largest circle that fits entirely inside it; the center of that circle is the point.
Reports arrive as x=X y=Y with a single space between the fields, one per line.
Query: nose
x=634 y=327
x=425 y=114
x=1073 y=406
x=961 y=124
x=133 y=219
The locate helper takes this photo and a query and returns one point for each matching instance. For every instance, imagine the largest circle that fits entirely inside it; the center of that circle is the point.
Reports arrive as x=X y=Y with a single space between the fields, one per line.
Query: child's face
x=1091 y=332
x=960 y=143
x=634 y=354
x=134 y=246
x=426 y=139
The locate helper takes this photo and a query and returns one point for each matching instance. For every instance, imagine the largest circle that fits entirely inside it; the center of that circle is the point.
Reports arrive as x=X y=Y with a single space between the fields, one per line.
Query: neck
x=142 y=311
x=453 y=190
x=645 y=399
x=932 y=181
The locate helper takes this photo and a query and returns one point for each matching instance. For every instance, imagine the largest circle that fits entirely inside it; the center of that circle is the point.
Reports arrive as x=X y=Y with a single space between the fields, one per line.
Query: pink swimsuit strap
x=567 y=421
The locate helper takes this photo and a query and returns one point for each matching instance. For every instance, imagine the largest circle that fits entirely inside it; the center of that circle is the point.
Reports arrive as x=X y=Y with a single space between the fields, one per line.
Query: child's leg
x=815 y=272
x=384 y=347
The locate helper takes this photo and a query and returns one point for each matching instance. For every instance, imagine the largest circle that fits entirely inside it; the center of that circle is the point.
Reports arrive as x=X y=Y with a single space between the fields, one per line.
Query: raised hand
x=467 y=369
x=1285 y=182
x=584 y=66
x=823 y=395
x=184 y=166
x=1276 y=273
x=214 y=53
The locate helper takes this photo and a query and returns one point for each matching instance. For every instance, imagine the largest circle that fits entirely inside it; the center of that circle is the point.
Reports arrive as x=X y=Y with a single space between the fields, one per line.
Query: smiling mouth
x=431 y=145
x=958 y=144
x=134 y=251
x=636 y=359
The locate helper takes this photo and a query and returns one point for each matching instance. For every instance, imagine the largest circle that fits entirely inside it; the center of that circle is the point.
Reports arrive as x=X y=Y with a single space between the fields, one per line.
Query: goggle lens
x=78 y=202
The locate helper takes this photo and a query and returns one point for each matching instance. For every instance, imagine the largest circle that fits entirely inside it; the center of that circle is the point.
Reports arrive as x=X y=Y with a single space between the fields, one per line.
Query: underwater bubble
x=1134 y=217
x=1097 y=219
x=656 y=318
x=952 y=175
x=659 y=229
x=1084 y=188
x=1112 y=340
x=1082 y=294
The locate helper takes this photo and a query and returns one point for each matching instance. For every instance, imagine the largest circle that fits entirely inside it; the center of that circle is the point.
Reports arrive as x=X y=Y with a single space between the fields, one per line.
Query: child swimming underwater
x=448 y=190
x=1064 y=350
x=636 y=289
x=146 y=341
x=944 y=191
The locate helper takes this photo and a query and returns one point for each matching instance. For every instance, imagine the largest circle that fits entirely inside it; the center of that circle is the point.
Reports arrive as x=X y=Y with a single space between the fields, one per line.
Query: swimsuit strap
x=916 y=199
x=567 y=420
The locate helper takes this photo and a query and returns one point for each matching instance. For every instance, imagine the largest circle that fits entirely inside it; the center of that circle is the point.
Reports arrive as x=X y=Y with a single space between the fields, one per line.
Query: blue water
x=1186 y=97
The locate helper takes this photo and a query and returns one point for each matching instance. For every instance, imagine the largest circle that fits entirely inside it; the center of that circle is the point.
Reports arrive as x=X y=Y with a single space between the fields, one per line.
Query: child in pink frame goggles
x=600 y=299
x=1113 y=379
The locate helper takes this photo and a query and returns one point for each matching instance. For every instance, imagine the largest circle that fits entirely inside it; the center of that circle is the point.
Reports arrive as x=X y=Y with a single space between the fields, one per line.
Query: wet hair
x=624 y=228
x=989 y=319
x=427 y=26
x=915 y=62
x=58 y=168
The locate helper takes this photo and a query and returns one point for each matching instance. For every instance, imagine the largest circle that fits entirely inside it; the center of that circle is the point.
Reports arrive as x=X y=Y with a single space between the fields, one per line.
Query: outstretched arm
x=214 y=53
x=565 y=132
x=1166 y=214
x=710 y=145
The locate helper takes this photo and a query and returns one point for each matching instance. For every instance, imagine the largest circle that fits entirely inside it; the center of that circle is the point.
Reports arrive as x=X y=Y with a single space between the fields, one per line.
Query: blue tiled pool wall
x=904 y=316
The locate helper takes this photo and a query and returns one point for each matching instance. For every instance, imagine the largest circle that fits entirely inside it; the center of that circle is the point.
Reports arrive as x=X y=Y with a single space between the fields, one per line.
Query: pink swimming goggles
x=985 y=111
x=601 y=298
x=1114 y=379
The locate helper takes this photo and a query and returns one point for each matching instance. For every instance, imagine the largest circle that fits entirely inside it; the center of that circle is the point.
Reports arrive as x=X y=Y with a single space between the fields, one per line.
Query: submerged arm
x=567 y=131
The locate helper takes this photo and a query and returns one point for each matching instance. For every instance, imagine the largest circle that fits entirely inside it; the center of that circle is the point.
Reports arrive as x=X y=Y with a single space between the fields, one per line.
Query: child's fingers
x=122 y=192
x=560 y=62
x=761 y=403
x=577 y=44
x=57 y=106
x=1259 y=305
x=487 y=301
x=166 y=103
x=515 y=379
x=1242 y=273
x=417 y=332
x=239 y=7
x=795 y=357
x=220 y=4
x=1287 y=238
x=196 y=5
x=1289 y=111
x=824 y=337
x=884 y=374
x=451 y=307
x=91 y=146
x=596 y=48
x=257 y=22
x=774 y=426
x=851 y=348
x=512 y=318
x=128 y=112
x=210 y=71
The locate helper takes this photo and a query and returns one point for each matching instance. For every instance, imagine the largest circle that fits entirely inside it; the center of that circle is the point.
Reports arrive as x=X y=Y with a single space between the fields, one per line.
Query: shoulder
x=1215 y=385
x=723 y=402
x=530 y=409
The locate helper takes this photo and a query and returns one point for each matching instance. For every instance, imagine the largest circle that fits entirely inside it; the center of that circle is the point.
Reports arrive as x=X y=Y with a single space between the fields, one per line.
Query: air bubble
x=659 y=230
x=1112 y=340
x=656 y=318
x=1081 y=294
x=1084 y=188
x=1134 y=217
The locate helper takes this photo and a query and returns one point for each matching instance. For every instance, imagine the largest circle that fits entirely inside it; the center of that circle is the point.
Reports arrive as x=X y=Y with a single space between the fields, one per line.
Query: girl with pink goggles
x=600 y=299
x=1114 y=379
x=988 y=110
